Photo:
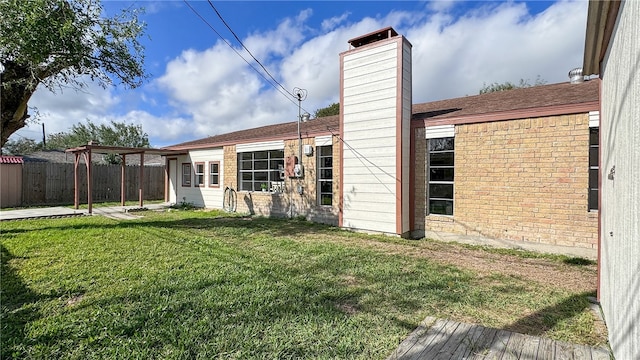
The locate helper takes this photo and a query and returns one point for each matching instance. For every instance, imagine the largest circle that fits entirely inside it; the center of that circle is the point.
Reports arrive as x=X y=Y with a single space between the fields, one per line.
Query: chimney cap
x=369 y=38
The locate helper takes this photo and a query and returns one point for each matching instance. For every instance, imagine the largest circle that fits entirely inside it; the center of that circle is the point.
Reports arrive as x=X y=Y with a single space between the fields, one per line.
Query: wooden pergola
x=86 y=151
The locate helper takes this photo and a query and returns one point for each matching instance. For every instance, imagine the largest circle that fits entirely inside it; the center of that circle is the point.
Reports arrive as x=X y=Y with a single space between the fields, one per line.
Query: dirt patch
x=575 y=278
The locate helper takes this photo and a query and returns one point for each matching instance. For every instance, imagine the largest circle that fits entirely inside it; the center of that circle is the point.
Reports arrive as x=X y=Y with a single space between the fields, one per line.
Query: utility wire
x=286 y=93
x=244 y=47
x=240 y=55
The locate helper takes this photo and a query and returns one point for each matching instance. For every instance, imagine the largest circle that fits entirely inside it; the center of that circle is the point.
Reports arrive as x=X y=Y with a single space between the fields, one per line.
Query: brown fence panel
x=10 y=185
x=53 y=184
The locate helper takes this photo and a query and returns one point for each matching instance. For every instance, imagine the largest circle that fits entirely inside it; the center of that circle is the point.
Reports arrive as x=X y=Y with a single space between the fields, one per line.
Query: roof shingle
x=531 y=98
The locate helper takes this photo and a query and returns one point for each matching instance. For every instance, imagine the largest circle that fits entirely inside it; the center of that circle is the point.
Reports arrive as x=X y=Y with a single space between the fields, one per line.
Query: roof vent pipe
x=575 y=76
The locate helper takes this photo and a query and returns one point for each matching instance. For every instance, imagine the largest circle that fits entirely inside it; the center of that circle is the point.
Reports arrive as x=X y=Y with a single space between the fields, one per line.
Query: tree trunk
x=18 y=85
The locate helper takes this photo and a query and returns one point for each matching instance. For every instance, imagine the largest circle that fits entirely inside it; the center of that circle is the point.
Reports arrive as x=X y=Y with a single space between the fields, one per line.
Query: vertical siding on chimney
x=370 y=109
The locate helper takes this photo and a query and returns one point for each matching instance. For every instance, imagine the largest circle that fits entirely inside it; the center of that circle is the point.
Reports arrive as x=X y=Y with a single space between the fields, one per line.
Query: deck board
x=439 y=339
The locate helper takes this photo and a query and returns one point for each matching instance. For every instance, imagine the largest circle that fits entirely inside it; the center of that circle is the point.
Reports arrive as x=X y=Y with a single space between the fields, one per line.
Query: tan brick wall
x=289 y=202
x=523 y=180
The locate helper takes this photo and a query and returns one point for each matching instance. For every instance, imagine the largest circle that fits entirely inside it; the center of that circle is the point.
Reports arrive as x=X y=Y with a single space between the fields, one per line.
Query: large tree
x=59 y=43
x=333 y=109
x=507 y=85
x=115 y=134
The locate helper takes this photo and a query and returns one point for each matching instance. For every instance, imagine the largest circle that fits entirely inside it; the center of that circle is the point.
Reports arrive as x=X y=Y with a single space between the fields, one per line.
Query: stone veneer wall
x=523 y=180
x=289 y=202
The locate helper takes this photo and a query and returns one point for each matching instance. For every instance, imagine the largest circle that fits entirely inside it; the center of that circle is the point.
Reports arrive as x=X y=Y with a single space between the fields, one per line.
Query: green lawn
x=195 y=284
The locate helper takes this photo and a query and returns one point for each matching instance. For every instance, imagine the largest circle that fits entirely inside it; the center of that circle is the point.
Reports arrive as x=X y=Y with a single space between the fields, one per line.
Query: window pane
x=326 y=150
x=326 y=174
x=246 y=156
x=260 y=155
x=444 y=174
x=261 y=176
x=326 y=162
x=276 y=164
x=325 y=199
x=325 y=187
x=261 y=165
x=246 y=186
x=246 y=165
x=199 y=168
x=214 y=168
x=441 y=207
x=213 y=179
x=441 y=144
x=593 y=156
x=593 y=199
x=247 y=176
x=276 y=154
x=593 y=178
x=443 y=191
x=593 y=136
x=441 y=159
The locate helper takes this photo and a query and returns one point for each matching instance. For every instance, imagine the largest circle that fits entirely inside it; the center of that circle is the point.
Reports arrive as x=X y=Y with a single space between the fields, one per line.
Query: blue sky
x=200 y=87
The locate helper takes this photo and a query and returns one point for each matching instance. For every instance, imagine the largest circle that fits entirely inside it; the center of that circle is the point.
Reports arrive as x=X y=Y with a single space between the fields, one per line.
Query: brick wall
x=523 y=180
x=289 y=202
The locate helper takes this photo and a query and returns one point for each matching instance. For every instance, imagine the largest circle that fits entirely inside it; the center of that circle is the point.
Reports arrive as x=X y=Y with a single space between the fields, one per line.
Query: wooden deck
x=440 y=339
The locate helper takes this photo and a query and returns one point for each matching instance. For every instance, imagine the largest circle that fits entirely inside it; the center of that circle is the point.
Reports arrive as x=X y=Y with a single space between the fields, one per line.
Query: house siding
x=375 y=122
x=522 y=180
x=205 y=196
x=620 y=187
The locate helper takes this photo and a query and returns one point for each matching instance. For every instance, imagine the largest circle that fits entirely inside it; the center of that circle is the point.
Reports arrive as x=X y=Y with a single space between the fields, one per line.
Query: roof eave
x=601 y=18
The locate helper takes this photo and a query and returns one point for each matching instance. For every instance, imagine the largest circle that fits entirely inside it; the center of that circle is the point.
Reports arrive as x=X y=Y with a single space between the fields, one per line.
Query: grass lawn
x=196 y=284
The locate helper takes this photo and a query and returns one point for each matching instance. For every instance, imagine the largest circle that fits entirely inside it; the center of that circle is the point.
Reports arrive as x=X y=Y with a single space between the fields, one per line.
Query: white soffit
x=594 y=118
x=260 y=146
x=440 y=131
x=325 y=140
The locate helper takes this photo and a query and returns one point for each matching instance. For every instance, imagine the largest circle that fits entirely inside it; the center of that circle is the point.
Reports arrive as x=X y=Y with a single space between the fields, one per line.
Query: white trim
x=325 y=140
x=594 y=119
x=439 y=131
x=260 y=146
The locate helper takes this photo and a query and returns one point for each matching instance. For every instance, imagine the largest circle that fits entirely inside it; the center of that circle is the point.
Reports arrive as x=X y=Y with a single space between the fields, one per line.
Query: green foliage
x=55 y=42
x=115 y=134
x=333 y=109
x=195 y=284
x=495 y=87
x=22 y=146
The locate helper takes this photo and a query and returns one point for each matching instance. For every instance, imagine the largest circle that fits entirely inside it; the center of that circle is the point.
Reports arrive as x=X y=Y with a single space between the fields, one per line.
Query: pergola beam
x=86 y=152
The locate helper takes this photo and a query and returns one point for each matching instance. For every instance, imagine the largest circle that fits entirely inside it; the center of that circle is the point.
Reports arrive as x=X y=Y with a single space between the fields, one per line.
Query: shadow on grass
x=274 y=226
x=16 y=299
x=543 y=320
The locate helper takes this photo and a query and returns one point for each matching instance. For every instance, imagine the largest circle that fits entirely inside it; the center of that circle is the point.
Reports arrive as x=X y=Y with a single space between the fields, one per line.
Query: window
x=214 y=173
x=594 y=167
x=199 y=170
x=186 y=174
x=325 y=175
x=440 y=176
x=258 y=169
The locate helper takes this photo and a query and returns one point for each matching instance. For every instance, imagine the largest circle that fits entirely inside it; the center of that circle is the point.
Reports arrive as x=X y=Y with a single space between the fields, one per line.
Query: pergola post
x=76 y=181
x=141 y=189
x=123 y=195
x=89 y=164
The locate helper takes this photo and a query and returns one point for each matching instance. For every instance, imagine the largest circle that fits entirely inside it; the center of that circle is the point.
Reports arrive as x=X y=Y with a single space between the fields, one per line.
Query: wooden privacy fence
x=52 y=183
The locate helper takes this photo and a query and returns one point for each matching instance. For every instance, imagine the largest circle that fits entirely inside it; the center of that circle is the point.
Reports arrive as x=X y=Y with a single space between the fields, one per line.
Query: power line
x=286 y=93
x=244 y=47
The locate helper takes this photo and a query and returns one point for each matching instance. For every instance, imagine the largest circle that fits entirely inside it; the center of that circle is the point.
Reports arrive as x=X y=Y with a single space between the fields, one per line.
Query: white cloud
x=331 y=23
x=213 y=91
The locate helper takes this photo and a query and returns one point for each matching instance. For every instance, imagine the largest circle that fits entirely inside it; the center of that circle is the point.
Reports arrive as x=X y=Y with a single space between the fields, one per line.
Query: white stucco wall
x=206 y=196
x=620 y=207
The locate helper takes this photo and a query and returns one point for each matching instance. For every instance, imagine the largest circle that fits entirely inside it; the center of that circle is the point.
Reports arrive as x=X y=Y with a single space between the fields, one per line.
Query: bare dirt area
x=574 y=278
